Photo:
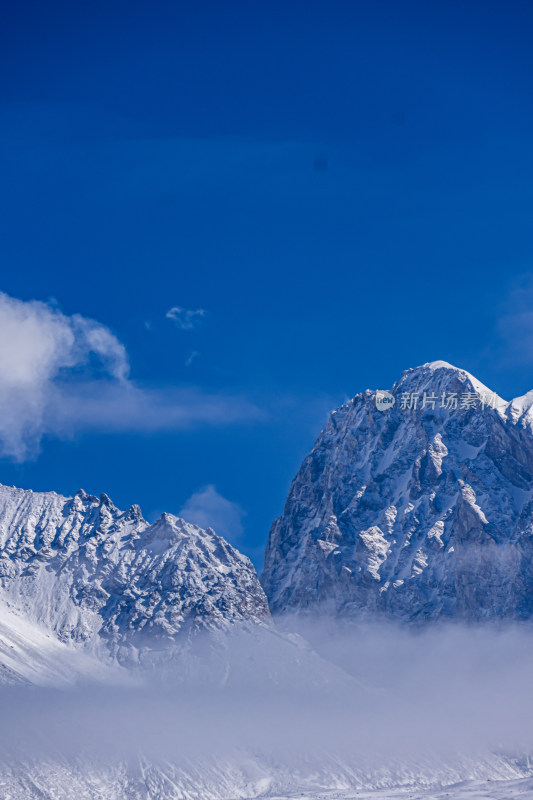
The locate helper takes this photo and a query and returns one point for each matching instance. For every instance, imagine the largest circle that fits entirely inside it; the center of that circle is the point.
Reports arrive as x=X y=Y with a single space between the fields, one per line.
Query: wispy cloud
x=109 y=406
x=190 y=358
x=209 y=509
x=515 y=325
x=185 y=318
x=63 y=374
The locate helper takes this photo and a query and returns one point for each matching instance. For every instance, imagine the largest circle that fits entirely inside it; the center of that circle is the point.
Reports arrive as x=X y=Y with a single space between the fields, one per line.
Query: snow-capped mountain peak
x=89 y=573
x=440 y=376
x=419 y=509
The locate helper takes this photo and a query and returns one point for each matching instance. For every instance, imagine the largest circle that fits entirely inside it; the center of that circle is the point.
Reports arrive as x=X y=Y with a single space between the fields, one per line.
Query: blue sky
x=344 y=190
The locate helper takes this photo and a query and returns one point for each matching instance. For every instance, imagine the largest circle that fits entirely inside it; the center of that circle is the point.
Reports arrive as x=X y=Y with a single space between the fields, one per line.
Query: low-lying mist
x=375 y=691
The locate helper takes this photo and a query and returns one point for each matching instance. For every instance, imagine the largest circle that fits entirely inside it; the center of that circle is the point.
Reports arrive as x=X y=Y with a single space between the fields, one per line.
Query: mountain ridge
x=106 y=579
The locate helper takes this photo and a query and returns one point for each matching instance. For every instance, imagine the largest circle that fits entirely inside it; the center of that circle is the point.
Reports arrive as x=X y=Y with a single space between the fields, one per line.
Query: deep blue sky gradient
x=346 y=187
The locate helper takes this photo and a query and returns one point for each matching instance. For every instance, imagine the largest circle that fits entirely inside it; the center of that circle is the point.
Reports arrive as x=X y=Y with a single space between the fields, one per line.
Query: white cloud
x=185 y=318
x=38 y=346
x=62 y=374
x=209 y=509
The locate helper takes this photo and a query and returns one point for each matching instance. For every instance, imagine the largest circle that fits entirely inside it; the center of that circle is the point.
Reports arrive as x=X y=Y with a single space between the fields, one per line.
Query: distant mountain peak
x=434 y=366
x=417 y=509
x=442 y=376
x=91 y=574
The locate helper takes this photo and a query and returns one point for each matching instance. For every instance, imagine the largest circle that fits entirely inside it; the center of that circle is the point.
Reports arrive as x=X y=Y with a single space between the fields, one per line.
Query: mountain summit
x=418 y=508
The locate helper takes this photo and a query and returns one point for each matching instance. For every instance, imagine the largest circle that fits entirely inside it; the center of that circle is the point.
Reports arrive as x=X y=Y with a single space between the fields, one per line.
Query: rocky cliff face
x=419 y=511
x=90 y=573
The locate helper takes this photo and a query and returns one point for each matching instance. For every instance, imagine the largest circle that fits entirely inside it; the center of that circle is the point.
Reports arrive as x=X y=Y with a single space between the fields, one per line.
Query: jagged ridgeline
x=419 y=510
x=92 y=574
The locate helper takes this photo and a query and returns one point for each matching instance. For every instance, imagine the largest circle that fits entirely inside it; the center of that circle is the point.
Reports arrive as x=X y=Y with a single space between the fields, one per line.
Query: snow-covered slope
x=244 y=777
x=420 y=511
x=88 y=573
x=30 y=655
